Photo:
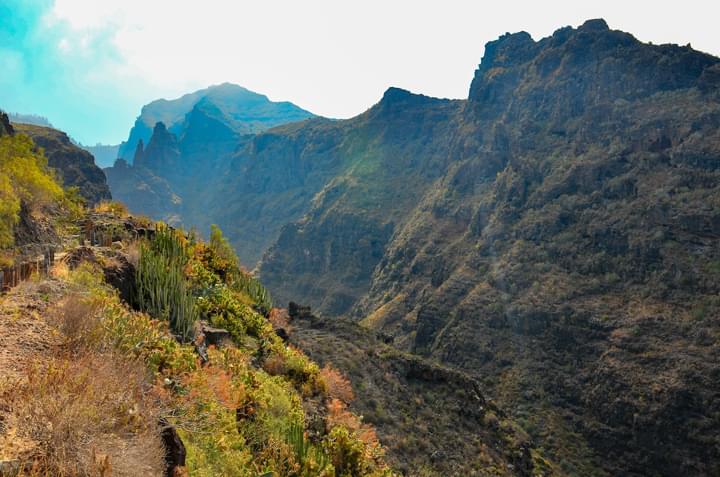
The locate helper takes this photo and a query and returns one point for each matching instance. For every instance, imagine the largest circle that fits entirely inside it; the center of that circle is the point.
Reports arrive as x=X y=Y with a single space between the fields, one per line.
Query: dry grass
x=279 y=319
x=133 y=253
x=77 y=410
x=87 y=415
x=60 y=270
x=337 y=385
x=78 y=320
x=117 y=209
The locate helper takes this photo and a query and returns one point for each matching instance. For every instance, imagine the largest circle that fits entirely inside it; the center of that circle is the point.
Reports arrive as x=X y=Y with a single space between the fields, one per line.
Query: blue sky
x=90 y=65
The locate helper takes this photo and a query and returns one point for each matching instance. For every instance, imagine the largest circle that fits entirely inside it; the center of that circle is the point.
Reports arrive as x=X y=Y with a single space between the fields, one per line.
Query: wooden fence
x=12 y=276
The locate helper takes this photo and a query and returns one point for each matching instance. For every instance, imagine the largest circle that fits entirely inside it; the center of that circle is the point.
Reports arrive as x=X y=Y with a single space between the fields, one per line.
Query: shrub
x=309 y=459
x=24 y=177
x=352 y=444
x=118 y=209
x=222 y=307
x=299 y=369
x=336 y=384
x=113 y=327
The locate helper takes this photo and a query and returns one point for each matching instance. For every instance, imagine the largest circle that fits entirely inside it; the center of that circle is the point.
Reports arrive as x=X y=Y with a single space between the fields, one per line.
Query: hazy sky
x=89 y=65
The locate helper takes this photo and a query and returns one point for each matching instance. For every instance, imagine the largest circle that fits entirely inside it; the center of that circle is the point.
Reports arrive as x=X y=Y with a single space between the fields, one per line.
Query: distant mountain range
x=556 y=234
x=105 y=155
x=240 y=110
x=175 y=142
x=33 y=119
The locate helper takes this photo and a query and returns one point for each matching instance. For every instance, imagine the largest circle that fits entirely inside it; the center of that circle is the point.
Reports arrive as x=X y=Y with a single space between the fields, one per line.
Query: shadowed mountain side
x=432 y=420
x=556 y=235
x=144 y=193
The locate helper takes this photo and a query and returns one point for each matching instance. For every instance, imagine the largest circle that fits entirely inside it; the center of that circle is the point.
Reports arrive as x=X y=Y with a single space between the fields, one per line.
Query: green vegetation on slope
x=24 y=178
x=252 y=407
x=74 y=166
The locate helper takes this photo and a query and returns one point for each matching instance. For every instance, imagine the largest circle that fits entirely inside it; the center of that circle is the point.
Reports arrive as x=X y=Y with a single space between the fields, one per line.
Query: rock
x=5 y=127
x=283 y=334
x=174 y=449
x=215 y=336
x=120 y=273
x=9 y=468
x=299 y=312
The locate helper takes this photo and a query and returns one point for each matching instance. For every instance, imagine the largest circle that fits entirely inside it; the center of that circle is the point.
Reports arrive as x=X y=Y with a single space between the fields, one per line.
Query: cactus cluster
x=162 y=289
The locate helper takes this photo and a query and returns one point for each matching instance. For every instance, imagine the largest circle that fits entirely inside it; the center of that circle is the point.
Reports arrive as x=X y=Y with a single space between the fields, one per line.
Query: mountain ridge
x=246 y=112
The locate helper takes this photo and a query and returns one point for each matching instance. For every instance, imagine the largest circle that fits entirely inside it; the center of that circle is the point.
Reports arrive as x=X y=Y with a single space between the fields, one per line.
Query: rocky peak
x=161 y=153
x=139 y=150
x=5 y=126
x=394 y=94
x=160 y=130
x=596 y=24
x=578 y=68
x=401 y=102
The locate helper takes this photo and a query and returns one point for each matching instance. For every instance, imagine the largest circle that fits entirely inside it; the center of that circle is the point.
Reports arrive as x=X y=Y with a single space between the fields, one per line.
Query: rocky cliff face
x=5 y=126
x=555 y=235
x=75 y=165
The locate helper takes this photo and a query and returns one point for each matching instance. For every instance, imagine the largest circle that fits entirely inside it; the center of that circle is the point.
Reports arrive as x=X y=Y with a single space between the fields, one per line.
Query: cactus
x=162 y=289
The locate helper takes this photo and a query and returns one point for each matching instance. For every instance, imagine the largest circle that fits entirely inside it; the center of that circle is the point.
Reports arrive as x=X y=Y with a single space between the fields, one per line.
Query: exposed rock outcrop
x=75 y=166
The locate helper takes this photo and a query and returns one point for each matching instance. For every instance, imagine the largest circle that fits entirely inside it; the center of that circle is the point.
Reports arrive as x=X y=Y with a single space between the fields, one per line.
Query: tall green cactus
x=162 y=289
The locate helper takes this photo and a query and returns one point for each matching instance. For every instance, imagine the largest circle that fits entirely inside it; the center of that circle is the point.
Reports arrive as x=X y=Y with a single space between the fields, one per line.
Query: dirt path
x=26 y=339
x=25 y=335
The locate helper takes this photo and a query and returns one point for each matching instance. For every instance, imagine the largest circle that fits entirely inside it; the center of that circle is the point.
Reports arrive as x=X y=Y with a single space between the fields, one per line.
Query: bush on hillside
x=24 y=177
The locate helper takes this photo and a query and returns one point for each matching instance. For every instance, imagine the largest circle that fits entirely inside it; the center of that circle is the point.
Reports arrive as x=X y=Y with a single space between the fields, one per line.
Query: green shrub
x=24 y=177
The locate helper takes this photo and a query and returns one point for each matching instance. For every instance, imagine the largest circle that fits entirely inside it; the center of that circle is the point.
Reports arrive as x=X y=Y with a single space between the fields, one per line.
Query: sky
x=90 y=65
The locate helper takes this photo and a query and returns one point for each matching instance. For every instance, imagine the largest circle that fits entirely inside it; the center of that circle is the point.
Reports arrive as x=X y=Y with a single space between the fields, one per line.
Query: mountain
x=33 y=119
x=244 y=112
x=75 y=166
x=177 y=142
x=556 y=235
x=104 y=154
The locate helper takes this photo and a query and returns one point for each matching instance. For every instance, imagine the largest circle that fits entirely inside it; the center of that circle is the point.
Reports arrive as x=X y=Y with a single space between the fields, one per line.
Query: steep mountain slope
x=180 y=159
x=556 y=235
x=75 y=165
x=244 y=111
x=443 y=424
x=276 y=177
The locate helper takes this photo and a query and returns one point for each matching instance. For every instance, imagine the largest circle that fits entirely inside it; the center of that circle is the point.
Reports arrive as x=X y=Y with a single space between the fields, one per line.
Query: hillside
x=75 y=165
x=143 y=350
x=177 y=371
x=555 y=235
